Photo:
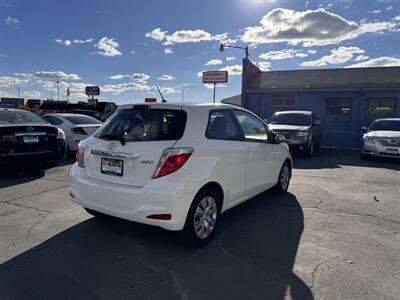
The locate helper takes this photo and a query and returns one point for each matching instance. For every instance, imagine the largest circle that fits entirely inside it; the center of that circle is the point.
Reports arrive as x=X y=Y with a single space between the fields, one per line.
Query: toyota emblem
x=29 y=128
x=111 y=146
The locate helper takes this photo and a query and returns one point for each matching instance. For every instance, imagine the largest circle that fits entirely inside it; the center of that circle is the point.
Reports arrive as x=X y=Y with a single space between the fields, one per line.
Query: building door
x=338 y=113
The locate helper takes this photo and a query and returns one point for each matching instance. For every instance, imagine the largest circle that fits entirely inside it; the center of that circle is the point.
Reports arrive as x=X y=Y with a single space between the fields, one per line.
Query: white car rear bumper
x=159 y=196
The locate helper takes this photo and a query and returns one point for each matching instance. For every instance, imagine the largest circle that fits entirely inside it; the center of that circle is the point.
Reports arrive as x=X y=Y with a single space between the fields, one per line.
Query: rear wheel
x=202 y=219
x=284 y=179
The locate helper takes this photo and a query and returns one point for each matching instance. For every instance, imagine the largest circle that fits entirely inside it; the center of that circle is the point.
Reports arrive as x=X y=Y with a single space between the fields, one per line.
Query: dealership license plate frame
x=112 y=170
x=31 y=139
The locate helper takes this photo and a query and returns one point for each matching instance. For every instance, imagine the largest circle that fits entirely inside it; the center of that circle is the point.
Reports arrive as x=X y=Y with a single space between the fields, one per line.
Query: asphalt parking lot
x=335 y=235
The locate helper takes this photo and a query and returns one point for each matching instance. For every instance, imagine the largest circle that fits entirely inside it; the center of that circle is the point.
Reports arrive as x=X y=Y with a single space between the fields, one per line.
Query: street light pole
x=58 y=89
x=183 y=91
x=246 y=49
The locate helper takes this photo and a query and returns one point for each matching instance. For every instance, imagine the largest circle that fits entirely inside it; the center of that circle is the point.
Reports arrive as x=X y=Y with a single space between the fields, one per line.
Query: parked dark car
x=301 y=129
x=25 y=138
x=91 y=113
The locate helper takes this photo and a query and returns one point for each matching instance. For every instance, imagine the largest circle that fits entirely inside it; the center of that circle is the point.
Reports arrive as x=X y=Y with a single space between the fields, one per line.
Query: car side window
x=53 y=120
x=221 y=126
x=253 y=129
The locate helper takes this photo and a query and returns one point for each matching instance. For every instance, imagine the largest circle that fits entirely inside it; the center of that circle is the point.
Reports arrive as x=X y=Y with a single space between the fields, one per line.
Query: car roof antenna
x=162 y=97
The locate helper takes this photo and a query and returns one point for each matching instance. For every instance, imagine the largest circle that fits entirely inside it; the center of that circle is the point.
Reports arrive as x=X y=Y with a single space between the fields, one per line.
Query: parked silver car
x=382 y=138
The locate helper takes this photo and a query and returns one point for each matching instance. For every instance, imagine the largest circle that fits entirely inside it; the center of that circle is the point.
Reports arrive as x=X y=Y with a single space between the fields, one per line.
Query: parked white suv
x=177 y=167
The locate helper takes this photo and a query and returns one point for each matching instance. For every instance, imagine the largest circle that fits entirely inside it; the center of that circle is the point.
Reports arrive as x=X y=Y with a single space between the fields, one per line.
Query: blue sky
x=129 y=47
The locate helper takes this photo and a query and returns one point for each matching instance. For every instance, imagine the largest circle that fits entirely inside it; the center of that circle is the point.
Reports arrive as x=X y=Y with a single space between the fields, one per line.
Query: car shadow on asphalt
x=10 y=176
x=335 y=158
x=251 y=257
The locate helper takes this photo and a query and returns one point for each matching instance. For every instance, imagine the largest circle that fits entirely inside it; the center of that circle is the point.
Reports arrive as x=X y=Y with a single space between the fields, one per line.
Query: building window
x=381 y=107
x=283 y=100
x=338 y=106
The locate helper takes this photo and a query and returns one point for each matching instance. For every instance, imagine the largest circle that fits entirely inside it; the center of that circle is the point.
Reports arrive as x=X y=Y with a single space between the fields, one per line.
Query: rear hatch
x=129 y=146
x=89 y=129
x=83 y=123
x=26 y=138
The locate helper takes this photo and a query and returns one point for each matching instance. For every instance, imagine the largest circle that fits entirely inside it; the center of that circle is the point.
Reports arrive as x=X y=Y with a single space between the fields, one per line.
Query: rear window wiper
x=111 y=137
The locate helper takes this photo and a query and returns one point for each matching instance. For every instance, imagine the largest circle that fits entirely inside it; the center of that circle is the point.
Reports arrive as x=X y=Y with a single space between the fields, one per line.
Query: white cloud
x=337 y=56
x=187 y=36
x=397 y=18
x=55 y=74
x=132 y=52
x=74 y=41
x=168 y=51
x=125 y=86
x=11 y=20
x=140 y=77
x=166 y=77
x=389 y=8
x=31 y=94
x=361 y=57
x=383 y=61
x=119 y=76
x=214 y=62
x=312 y=51
x=157 y=34
x=376 y=11
x=264 y=65
x=7 y=81
x=230 y=58
x=282 y=54
x=310 y=28
x=210 y=86
x=233 y=70
x=168 y=90
x=108 y=47
x=200 y=73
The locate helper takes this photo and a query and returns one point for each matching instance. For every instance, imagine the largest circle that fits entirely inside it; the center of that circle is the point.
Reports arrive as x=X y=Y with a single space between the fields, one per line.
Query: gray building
x=344 y=99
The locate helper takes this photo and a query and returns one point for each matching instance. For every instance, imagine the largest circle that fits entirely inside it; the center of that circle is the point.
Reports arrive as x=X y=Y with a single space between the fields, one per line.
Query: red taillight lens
x=172 y=160
x=78 y=130
x=77 y=154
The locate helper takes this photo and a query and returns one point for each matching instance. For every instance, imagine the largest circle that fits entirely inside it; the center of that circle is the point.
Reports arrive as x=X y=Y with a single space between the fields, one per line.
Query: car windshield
x=19 y=117
x=387 y=125
x=144 y=125
x=291 y=119
x=82 y=119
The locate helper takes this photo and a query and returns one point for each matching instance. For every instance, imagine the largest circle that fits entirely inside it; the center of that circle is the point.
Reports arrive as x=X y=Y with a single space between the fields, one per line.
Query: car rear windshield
x=19 y=117
x=82 y=119
x=385 y=125
x=291 y=119
x=135 y=125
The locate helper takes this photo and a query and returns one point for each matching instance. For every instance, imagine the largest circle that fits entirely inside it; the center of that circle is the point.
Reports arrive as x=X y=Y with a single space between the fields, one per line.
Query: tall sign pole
x=58 y=89
x=214 y=92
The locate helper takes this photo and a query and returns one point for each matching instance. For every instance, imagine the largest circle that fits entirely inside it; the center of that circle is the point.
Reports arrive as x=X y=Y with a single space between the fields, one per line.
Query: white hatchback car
x=178 y=166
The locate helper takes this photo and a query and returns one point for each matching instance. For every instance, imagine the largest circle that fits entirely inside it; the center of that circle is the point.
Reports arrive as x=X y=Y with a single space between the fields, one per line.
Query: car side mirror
x=364 y=128
x=317 y=122
x=279 y=138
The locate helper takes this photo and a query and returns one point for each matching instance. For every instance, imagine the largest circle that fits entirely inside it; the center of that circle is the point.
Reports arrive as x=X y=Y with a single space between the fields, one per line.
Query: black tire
x=188 y=234
x=95 y=213
x=281 y=187
x=310 y=150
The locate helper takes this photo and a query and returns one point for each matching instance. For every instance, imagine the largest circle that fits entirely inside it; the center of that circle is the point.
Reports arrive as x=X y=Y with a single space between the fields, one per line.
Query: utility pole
x=58 y=89
x=214 y=92
x=183 y=91
x=18 y=91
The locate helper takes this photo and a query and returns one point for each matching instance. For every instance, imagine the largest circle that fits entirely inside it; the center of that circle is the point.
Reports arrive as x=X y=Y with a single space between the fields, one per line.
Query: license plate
x=392 y=151
x=112 y=166
x=31 y=139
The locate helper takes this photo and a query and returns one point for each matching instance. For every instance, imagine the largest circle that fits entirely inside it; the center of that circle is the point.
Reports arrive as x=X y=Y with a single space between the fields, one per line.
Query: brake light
x=172 y=160
x=78 y=130
x=79 y=155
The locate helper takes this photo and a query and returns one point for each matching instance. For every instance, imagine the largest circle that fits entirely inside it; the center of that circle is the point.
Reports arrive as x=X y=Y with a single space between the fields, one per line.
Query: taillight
x=78 y=130
x=79 y=155
x=172 y=160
